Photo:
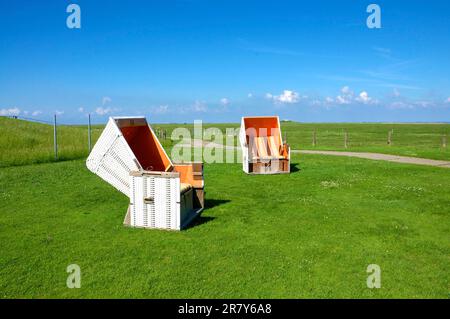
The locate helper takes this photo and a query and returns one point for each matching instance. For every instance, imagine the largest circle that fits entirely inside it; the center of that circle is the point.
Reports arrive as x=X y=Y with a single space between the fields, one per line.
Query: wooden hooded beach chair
x=263 y=150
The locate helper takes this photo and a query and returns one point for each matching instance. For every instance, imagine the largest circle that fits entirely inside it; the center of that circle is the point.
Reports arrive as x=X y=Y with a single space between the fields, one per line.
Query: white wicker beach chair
x=129 y=156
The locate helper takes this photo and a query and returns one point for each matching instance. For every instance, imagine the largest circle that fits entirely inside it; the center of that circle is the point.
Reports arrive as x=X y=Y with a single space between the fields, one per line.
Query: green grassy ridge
x=24 y=142
x=310 y=234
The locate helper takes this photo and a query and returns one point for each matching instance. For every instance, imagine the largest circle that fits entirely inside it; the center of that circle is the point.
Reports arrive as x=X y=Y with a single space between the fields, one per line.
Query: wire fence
x=64 y=136
x=55 y=123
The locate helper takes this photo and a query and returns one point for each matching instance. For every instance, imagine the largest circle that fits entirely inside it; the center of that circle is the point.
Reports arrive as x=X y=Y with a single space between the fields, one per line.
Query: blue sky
x=176 y=61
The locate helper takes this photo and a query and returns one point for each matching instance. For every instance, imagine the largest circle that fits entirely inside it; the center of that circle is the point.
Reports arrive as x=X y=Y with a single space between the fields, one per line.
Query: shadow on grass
x=209 y=203
x=294 y=167
x=200 y=220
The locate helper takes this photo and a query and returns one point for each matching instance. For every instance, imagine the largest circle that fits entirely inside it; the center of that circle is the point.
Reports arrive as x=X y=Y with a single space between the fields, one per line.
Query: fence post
x=89 y=132
x=314 y=139
x=55 y=141
x=444 y=141
x=345 y=139
x=389 y=140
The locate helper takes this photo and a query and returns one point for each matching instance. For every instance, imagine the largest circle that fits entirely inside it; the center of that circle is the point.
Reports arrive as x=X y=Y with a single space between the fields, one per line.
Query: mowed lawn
x=310 y=234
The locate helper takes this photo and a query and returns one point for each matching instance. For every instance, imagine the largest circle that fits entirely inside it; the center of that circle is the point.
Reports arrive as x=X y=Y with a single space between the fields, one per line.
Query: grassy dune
x=23 y=142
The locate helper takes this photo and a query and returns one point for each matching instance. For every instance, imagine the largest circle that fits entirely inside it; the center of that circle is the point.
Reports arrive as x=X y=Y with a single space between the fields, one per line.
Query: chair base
x=193 y=214
x=281 y=166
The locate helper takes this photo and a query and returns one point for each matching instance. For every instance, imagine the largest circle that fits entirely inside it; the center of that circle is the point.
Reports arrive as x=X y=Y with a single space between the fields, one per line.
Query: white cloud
x=400 y=105
x=448 y=100
x=199 y=106
x=423 y=104
x=329 y=99
x=106 y=100
x=36 y=113
x=316 y=103
x=161 y=109
x=364 y=98
x=103 y=110
x=407 y=104
x=250 y=95
x=288 y=97
x=346 y=90
x=382 y=50
x=81 y=109
x=342 y=100
x=224 y=101
x=346 y=96
x=57 y=112
x=10 y=112
x=396 y=93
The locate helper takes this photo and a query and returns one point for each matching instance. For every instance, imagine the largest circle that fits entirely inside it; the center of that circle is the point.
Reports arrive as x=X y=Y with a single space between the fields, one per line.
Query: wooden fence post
x=389 y=140
x=314 y=138
x=346 y=139
x=89 y=132
x=444 y=141
x=55 y=140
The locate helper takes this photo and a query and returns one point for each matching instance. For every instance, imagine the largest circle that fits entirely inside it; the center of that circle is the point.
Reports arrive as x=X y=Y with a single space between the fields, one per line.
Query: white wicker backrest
x=112 y=159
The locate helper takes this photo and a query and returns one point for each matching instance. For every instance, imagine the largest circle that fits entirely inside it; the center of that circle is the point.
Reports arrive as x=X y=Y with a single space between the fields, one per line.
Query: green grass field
x=23 y=142
x=416 y=140
x=309 y=234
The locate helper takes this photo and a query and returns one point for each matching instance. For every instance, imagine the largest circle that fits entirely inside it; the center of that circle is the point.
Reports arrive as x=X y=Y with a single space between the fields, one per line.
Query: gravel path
x=381 y=157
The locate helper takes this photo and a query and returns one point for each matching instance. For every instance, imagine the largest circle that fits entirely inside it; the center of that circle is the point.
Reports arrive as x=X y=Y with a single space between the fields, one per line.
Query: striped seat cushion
x=184 y=187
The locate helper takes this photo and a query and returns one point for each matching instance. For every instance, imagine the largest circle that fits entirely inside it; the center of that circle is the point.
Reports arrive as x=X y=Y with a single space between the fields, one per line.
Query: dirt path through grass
x=366 y=155
x=381 y=157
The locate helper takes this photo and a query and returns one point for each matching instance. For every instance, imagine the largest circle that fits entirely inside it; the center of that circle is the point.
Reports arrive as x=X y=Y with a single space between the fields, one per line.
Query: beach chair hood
x=126 y=144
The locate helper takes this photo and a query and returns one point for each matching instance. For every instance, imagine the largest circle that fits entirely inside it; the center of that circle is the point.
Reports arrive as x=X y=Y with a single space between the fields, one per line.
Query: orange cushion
x=274 y=148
